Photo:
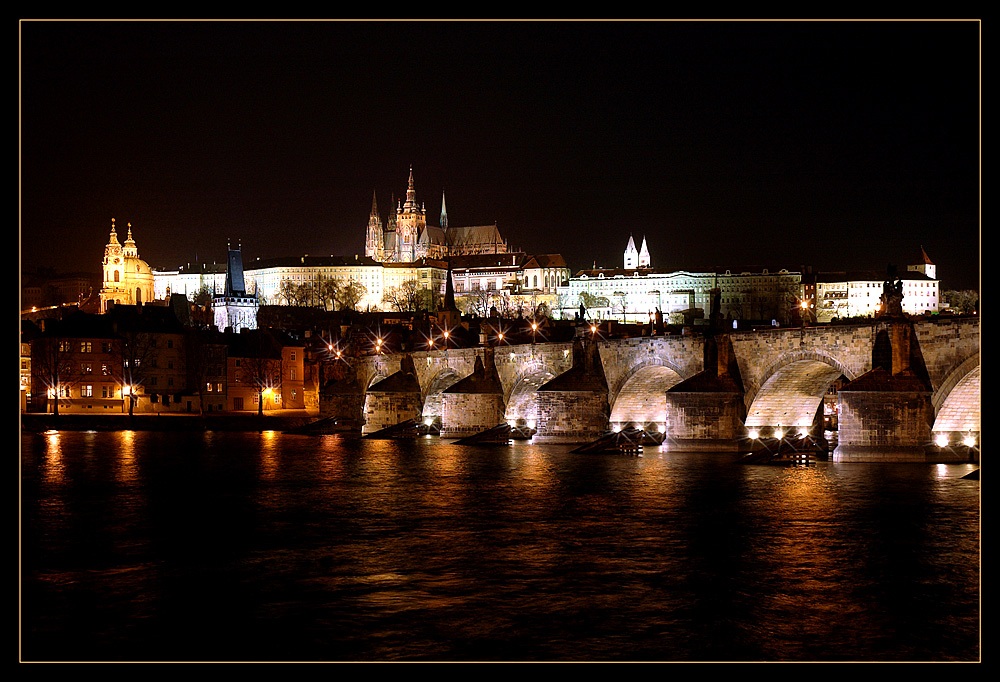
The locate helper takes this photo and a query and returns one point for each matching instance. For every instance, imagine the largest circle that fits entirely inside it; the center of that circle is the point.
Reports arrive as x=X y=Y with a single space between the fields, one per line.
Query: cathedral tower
x=375 y=237
x=644 y=255
x=631 y=259
x=411 y=221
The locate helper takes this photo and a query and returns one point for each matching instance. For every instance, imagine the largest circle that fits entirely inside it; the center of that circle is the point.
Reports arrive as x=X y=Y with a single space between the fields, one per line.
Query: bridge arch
x=755 y=383
x=432 y=398
x=958 y=402
x=792 y=394
x=950 y=382
x=640 y=398
x=521 y=399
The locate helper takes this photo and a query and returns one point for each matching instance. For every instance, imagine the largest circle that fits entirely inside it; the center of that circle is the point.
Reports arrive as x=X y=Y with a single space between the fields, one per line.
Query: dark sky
x=844 y=145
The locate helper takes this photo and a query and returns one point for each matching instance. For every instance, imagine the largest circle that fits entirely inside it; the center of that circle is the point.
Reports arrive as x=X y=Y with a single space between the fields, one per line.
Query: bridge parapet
x=799 y=364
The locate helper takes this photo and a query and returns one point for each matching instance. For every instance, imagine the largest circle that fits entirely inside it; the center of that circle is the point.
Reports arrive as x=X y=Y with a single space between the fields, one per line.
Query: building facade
x=633 y=294
x=859 y=294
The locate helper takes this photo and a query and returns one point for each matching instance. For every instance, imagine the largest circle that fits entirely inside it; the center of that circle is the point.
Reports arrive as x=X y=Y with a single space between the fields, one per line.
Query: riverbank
x=217 y=421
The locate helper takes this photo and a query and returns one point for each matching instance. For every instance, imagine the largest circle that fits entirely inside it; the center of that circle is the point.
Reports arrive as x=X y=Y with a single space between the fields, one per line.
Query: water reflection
x=275 y=546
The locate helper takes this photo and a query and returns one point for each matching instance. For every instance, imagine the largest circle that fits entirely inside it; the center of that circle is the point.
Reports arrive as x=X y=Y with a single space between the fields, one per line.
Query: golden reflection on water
x=53 y=466
x=126 y=465
x=270 y=456
x=798 y=538
x=331 y=458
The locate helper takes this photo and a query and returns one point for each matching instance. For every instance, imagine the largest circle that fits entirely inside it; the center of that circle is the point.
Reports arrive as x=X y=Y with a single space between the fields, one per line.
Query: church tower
x=925 y=266
x=127 y=278
x=411 y=221
x=114 y=264
x=631 y=258
x=644 y=255
x=374 y=238
x=444 y=213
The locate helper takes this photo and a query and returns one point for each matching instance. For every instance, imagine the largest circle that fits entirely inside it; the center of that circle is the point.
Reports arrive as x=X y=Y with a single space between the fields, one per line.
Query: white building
x=632 y=294
x=859 y=294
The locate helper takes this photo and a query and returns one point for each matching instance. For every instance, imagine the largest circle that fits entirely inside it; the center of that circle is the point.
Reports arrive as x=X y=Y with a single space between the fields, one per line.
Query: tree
x=205 y=361
x=963 y=302
x=293 y=294
x=135 y=352
x=260 y=363
x=326 y=292
x=347 y=296
x=202 y=302
x=589 y=301
x=404 y=298
x=51 y=365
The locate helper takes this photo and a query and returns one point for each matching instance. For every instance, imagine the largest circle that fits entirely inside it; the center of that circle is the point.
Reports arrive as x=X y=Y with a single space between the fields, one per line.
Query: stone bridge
x=772 y=379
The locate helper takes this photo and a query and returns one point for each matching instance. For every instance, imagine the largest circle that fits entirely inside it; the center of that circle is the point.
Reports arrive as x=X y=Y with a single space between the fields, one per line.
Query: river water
x=275 y=547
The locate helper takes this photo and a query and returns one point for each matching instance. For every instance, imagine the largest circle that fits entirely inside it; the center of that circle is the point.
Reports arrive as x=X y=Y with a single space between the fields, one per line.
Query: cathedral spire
x=444 y=213
x=411 y=193
x=374 y=205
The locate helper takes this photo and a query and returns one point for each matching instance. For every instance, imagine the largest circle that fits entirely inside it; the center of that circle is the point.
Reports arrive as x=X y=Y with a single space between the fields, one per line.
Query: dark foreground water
x=271 y=547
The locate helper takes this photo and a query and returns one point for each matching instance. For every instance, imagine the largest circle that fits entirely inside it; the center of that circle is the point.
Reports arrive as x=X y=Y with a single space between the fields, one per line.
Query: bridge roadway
x=785 y=373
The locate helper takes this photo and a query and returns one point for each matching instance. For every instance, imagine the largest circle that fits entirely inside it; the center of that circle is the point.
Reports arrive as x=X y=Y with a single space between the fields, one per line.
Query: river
x=269 y=546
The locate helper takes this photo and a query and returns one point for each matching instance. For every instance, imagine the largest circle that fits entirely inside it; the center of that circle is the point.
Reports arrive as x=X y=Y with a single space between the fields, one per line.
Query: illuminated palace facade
x=637 y=289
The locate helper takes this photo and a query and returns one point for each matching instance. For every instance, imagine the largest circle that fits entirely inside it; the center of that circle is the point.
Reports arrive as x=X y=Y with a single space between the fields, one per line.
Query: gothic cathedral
x=405 y=236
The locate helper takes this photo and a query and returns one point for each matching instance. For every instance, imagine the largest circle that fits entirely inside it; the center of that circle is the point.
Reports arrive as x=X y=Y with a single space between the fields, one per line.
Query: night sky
x=844 y=145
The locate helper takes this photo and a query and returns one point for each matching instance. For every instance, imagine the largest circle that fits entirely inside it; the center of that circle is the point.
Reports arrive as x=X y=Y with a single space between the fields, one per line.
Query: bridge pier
x=473 y=404
x=573 y=407
x=706 y=412
x=342 y=398
x=705 y=421
x=886 y=414
x=393 y=400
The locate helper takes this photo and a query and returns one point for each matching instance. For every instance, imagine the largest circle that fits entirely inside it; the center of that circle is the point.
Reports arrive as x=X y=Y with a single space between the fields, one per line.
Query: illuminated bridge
x=901 y=384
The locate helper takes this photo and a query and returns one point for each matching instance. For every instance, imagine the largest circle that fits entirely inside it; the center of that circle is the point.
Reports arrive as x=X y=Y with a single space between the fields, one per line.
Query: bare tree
x=404 y=298
x=51 y=366
x=261 y=365
x=326 y=292
x=348 y=295
x=135 y=354
x=293 y=294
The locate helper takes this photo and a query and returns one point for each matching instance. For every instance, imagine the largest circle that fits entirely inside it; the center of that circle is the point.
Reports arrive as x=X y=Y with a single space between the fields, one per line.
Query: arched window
x=116 y=275
x=535 y=282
